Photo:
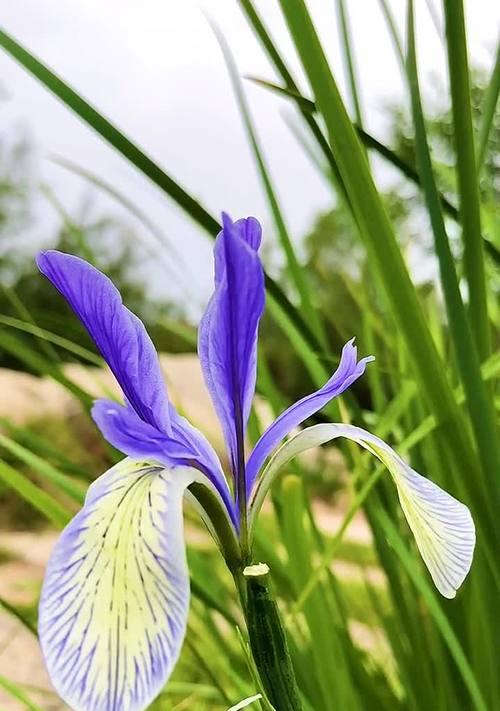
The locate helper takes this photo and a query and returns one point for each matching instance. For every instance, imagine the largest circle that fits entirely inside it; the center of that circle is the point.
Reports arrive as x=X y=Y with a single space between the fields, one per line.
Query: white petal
x=115 y=599
x=442 y=526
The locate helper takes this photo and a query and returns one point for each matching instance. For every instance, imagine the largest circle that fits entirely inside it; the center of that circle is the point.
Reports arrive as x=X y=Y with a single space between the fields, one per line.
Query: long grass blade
x=41 y=365
x=40 y=499
x=369 y=141
x=19 y=615
x=17 y=693
x=393 y=32
x=489 y=108
x=109 y=132
x=47 y=336
x=349 y=59
x=26 y=316
x=268 y=44
x=465 y=165
x=333 y=546
x=63 y=483
x=125 y=202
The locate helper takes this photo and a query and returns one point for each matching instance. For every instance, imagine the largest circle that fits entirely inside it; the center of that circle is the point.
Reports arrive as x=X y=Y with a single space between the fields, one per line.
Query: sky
x=155 y=69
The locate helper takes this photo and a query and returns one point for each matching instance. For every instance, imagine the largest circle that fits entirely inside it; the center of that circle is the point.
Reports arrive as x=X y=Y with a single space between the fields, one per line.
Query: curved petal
x=349 y=370
x=115 y=598
x=118 y=334
x=442 y=526
x=227 y=337
x=186 y=446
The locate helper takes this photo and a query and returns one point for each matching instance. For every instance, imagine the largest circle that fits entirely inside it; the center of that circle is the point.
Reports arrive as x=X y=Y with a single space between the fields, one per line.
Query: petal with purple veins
x=115 y=598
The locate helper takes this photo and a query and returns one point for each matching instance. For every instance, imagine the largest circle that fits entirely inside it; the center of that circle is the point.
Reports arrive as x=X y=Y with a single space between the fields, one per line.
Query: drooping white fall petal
x=115 y=599
x=442 y=525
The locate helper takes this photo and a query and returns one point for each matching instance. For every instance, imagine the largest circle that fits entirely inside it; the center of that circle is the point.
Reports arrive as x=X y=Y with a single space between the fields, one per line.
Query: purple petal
x=227 y=340
x=348 y=371
x=115 y=599
x=118 y=334
x=186 y=446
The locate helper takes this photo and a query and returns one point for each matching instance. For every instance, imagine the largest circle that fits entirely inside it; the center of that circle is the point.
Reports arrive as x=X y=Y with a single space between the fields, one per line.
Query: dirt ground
x=20 y=656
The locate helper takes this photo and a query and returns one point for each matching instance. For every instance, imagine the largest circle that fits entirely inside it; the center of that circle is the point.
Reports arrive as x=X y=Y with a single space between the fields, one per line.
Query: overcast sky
x=155 y=69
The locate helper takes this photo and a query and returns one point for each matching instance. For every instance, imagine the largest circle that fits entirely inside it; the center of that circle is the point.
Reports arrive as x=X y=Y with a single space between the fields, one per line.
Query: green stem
x=268 y=640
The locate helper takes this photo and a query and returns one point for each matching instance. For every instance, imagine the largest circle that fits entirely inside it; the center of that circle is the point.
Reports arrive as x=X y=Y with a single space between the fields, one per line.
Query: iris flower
x=115 y=599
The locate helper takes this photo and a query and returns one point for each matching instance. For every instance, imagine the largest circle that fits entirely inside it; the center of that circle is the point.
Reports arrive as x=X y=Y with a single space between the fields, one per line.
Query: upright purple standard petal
x=118 y=334
x=348 y=371
x=227 y=341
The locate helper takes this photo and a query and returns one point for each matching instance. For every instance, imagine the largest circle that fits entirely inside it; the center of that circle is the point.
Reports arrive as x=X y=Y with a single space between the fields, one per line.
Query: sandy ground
x=20 y=657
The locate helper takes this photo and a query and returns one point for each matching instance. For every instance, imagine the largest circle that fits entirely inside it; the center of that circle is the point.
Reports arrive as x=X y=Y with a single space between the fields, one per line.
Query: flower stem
x=268 y=641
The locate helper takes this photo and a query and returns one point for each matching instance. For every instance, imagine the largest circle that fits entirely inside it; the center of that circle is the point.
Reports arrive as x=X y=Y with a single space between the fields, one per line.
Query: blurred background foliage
x=330 y=251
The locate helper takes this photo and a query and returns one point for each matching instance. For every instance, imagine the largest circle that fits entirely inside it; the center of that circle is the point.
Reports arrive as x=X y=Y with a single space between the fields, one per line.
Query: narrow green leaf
x=186 y=332
x=348 y=56
x=393 y=32
x=41 y=365
x=15 y=691
x=465 y=166
x=246 y=702
x=280 y=66
x=15 y=612
x=333 y=545
x=489 y=108
x=367 y=139
x=108 y=131
x=64 y=483
x=39 y=444
x=74 y=231
x=124 y=201
x=26 y=316
x=44 y=335
x=41 y=500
